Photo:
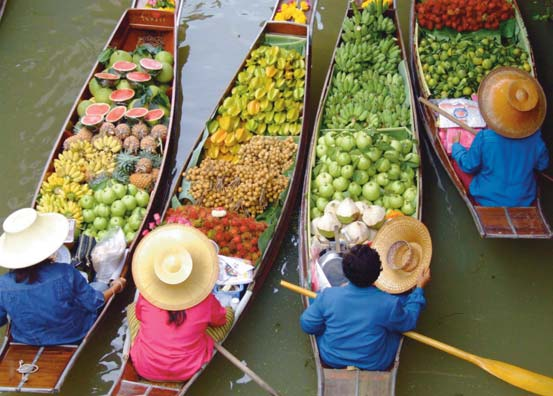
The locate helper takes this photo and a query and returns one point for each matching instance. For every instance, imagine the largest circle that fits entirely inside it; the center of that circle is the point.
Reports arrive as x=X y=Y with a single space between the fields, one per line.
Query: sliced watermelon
x=153 y=116
x=92 y=120
x=136 y=113
x=151 y=64
x=116 y=114
x=107 y=76
x=121 y=95
x=138 y=77
x=124 y=66
x=100 y=109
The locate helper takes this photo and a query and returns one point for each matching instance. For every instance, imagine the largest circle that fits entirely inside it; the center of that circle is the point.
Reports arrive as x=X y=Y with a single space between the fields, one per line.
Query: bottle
x=234 y=303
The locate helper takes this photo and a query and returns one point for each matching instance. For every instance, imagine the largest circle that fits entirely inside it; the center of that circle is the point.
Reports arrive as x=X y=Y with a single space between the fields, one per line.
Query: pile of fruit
x=267 y=99
x=118 y=205
x=453 y=68
x=120 y=135
x=463 y=15
x=236 y=235
x=289 y=12
x=248 y=185
x=381 y=5
x=367 y=90
x=164 y=5
x=365 y=166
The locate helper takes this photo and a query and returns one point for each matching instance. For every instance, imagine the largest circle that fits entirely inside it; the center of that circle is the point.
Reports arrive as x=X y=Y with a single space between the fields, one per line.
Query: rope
x=25 y=369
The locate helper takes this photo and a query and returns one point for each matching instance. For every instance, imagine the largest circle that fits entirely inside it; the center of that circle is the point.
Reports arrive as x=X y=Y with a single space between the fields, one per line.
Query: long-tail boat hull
x=129 y=382
x=55 y=362
x=491 y=222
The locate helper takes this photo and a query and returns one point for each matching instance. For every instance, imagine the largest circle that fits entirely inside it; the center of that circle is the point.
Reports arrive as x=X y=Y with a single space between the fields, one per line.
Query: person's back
x=58 y=308
x=504 y=167
x=362 y=325
x=164 y=351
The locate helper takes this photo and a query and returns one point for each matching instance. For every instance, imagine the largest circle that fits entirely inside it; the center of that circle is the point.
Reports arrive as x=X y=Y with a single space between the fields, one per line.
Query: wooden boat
x=491 y=222
x=309 y=14
x=144 y=3
x=283 y=34
x=2 y=7
x=337 y=382
x=55 y=362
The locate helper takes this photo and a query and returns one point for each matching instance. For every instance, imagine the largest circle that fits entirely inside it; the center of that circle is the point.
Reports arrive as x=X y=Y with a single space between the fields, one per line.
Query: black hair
x=30 y=274
x=176 y=317
x=361 y=265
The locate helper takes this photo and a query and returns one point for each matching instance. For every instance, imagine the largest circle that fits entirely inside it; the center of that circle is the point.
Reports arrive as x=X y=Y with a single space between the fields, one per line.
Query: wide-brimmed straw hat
x=512 y=102
x=175 y=267
x=30 y=237
x=405 y=249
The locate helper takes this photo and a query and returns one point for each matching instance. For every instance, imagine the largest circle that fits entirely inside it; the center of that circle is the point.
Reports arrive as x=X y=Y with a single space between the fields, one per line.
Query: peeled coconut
x=332 y=206
x=374 y=216
x=362 y=206
x=326 y=224
x=347 y=211
x=358 y=232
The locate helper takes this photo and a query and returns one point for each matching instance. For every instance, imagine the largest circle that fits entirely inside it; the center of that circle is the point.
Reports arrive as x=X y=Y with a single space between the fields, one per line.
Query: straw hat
x=30 y=237
x=405 y=250
x=175 y=267
x=512 y=102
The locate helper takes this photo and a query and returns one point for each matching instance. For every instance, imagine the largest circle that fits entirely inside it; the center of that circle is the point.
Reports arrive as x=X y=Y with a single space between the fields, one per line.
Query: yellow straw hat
x=405 y=249
x=30 y=237
x=175 y=267
x=512 y=102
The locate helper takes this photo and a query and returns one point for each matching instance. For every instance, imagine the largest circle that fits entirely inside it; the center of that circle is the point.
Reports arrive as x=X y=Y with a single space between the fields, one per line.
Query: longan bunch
x=246 y=187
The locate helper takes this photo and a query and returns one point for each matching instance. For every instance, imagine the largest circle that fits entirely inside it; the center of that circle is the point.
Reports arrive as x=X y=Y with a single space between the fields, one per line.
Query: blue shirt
x=361 y=326
x=503 y=167
x=59 y=308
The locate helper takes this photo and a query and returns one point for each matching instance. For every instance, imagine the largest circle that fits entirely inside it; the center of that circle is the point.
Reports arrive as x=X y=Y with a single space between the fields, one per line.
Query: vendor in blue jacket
x=504 y=157
x=360 y=324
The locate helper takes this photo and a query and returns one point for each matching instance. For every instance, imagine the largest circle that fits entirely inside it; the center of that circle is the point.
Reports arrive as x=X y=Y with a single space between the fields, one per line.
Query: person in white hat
x=360 y=324
x=175 y=268
x=47 y=303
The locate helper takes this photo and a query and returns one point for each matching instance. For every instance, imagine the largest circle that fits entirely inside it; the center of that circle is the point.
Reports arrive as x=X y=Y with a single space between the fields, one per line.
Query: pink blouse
x=163 y=352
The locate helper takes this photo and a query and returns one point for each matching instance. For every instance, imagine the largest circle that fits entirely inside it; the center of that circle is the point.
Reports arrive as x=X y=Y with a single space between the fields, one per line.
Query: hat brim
x=162 y=242
x=403 y=228
x=36 y=244
x=503 y=119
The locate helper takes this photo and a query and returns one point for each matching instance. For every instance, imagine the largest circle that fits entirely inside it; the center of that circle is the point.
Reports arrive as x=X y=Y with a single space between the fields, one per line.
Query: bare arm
x=117 y=286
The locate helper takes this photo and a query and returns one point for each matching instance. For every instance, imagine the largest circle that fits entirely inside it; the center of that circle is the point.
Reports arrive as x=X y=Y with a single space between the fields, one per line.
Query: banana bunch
x=100 y=162
x=53 y=184
x=108 y=144
x=48 y=203
x=63 y=188
x=70 y=170
x=81 y=147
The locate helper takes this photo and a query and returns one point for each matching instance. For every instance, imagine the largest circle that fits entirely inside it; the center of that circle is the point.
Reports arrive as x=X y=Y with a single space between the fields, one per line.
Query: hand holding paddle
x=517 y=376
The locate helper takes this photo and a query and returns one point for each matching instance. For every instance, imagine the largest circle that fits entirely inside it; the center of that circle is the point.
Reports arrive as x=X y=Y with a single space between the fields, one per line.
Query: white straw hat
x=30 y=237
x=175 y=267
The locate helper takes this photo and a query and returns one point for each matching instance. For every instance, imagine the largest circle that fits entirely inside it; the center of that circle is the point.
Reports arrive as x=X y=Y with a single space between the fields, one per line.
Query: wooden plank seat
x=521 y=222
x=358 y=382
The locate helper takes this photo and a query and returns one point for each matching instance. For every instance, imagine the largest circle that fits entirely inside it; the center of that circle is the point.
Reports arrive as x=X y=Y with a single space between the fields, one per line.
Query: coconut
x=374 y=216
x=347 y=211
x=332 y=206
x=358 y=232
x=362 y=206
x=326 y=224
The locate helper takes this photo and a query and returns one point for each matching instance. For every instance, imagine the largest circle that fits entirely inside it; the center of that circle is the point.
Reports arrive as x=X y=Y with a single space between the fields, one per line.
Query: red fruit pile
x=463 y=15
x=235 y=234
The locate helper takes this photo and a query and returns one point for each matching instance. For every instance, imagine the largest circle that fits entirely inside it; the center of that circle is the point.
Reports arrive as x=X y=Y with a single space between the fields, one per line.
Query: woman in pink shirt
x=175 y=268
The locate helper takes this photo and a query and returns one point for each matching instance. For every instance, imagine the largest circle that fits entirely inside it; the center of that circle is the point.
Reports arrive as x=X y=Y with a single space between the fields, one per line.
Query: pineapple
x=148 y=144
x=131 y=144
x=155 y=173
x=122 y=131
x=143 y=165
x=154 y=157
x=85 y=134
x=159 y=132
x=140 y=130
x=107 y=128
x=70 y=140
x=143 y=181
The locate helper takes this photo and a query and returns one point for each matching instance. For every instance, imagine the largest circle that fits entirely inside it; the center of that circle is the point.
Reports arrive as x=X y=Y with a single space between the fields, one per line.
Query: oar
x=462 y=125
x=244 y=368
x=517 y=376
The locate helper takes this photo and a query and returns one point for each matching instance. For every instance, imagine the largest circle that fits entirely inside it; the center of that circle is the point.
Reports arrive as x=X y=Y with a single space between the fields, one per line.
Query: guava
x=166 y=73
x=164 y=56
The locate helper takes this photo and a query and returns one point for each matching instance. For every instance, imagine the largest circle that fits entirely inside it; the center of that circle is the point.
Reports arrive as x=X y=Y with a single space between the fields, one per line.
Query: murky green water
x=489 y=297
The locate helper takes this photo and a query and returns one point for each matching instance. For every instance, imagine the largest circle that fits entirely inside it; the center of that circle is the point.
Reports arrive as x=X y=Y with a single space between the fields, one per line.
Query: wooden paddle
x=519 y=377
x=244 y=368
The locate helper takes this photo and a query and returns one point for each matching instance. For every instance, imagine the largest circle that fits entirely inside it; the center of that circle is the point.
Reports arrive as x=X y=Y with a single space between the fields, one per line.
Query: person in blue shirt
x=505 y=157
x=358 y=324
x=47 y=303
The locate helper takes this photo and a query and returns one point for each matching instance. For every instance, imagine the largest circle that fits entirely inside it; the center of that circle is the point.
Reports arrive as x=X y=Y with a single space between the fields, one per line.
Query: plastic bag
x=108 y=255
x=234 y=271
x=462 y=109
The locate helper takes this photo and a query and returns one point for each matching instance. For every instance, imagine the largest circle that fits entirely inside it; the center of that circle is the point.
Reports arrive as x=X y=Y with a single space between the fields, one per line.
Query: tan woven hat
x=512 y=102
x=175 y=267
x=405 y=249
x=30 y=237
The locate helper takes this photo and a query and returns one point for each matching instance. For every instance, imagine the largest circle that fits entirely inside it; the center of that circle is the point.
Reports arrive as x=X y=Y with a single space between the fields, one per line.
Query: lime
x=467 y=91
x=487 y=64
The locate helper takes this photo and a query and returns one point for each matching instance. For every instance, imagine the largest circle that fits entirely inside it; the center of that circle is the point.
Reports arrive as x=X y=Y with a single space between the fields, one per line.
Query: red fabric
x=163 y=352
x=464 y=177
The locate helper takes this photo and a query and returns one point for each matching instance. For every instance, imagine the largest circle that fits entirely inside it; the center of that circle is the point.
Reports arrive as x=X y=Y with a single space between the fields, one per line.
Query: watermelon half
x=137 y=113
x=116 y=114
x=122 y=95
x=150 y=65
x=100 y=109
x=107 y=79
x=123 y=67
x=138 y=77
x=154 y=116
x=92 y=121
